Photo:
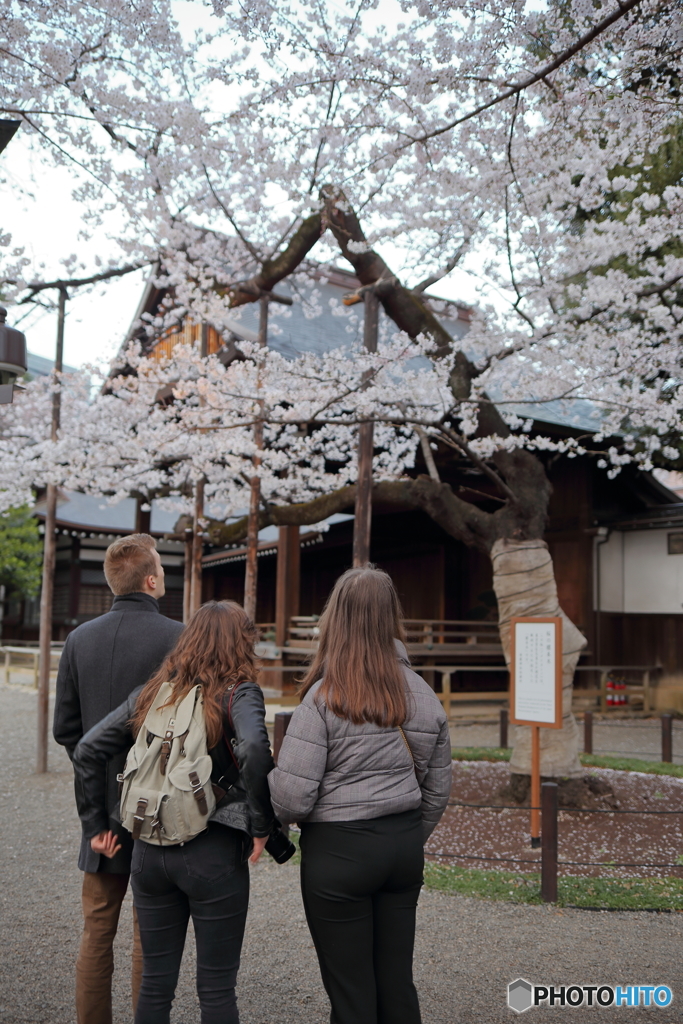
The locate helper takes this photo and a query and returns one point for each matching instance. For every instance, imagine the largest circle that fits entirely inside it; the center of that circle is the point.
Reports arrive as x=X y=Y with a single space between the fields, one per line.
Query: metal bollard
x=667 y=739
x=549 y=842
x=282 y=720
x=588 y=732
x=503 y=739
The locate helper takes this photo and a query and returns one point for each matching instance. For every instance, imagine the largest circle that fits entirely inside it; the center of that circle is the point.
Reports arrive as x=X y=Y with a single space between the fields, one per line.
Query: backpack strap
x=229 y=741
x=405 y=740
x=226 y=767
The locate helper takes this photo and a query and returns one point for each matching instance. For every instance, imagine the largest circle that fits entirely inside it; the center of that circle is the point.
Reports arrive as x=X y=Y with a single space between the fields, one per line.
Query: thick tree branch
x=407 y=309
x=274 y=270
x=459 y=518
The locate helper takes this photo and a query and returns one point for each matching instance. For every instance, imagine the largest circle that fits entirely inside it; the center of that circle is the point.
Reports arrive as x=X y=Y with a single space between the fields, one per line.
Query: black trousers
x=360 y=882
x=207 y=878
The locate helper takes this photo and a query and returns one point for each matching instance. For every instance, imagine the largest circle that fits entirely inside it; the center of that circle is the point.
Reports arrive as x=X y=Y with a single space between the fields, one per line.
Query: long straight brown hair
x=356 y=658
x=216 y=649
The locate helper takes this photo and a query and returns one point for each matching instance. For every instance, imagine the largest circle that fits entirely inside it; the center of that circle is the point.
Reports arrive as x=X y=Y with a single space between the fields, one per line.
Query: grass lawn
x=593 y=893
x=623 y=764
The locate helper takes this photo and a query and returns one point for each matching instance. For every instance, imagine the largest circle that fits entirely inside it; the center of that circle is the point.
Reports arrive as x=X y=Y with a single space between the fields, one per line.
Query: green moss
x=632 y=764
x=482 y=753
x=589 y=893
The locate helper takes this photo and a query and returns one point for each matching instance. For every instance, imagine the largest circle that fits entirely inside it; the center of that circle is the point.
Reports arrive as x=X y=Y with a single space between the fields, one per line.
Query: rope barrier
x=574 y=810
x=651 y=754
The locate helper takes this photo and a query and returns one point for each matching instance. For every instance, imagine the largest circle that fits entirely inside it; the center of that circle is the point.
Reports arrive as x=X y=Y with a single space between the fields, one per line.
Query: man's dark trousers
x=103 y=661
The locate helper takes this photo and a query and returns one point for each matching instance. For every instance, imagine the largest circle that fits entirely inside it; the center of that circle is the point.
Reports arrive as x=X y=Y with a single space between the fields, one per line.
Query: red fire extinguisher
x=610 y=692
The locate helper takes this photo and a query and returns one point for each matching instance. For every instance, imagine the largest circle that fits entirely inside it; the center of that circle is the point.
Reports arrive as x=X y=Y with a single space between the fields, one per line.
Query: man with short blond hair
x=103 y=661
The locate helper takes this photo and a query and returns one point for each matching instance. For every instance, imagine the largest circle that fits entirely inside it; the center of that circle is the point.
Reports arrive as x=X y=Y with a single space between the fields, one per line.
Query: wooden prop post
x=197 y=547
x=188 y=575
x=251 y=568
x=536 y=691
x=363 y=510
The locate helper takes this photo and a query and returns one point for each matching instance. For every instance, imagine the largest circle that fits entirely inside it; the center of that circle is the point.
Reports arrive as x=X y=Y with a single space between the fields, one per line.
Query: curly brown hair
x=216 y=649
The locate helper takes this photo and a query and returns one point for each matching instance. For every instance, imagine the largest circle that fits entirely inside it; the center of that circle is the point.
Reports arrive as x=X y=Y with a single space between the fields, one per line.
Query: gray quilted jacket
x=330 y=769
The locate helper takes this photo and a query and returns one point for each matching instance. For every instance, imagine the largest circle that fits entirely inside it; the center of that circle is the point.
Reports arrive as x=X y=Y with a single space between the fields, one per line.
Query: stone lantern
x=12 y=358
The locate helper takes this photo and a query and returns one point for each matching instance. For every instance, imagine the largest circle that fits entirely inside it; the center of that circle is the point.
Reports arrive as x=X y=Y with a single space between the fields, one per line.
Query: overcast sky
x=39 y=212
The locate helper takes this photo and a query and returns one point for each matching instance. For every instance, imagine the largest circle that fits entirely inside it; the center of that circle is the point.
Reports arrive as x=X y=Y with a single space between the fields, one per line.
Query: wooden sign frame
x=557 y=621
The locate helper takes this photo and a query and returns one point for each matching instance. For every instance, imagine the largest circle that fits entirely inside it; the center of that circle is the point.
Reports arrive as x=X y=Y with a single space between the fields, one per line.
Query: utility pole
x=363 y=519
x=251 y=571
x=49 y=554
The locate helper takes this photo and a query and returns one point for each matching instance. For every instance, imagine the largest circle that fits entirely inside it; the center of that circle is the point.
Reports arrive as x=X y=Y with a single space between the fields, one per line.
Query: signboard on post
x=536 y=672
x=536 y=691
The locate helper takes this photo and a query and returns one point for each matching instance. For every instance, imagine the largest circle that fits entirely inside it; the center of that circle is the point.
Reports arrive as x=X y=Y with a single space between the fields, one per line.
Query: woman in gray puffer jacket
x=365 y=770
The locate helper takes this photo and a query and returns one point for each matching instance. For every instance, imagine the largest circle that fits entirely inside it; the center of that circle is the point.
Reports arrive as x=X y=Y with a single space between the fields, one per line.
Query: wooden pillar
x=49 y=557
x=74 y=580
x=363 y=511
x=287 y=581
x=187 y=578
x=197 y=547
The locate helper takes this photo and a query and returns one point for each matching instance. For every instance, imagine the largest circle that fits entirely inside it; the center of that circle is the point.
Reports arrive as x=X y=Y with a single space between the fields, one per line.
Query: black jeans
x=209 y=879
x=360 y=882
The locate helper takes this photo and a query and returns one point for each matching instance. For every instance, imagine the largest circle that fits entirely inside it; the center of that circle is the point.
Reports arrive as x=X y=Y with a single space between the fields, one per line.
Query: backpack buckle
x=139 y=817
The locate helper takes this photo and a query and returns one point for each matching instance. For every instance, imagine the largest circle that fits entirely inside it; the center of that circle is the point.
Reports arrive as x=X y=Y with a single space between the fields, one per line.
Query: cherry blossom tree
x=478 y=135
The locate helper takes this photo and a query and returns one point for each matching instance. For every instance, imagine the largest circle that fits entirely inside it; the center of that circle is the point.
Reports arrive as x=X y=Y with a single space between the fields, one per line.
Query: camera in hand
x=280 y=847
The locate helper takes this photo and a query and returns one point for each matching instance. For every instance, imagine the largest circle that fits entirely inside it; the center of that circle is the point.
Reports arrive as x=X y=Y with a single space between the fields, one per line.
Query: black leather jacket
x=246 y=805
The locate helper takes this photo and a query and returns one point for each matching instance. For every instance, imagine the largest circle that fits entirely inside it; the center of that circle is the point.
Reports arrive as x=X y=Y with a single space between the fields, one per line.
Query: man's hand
x=106 y=843
x=259 y=847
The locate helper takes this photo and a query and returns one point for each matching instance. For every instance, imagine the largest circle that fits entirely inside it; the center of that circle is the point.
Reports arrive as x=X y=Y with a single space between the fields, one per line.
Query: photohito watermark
x=522 y=995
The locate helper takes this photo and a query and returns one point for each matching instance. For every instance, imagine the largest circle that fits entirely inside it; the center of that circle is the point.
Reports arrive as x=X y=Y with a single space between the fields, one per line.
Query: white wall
x=638 y=575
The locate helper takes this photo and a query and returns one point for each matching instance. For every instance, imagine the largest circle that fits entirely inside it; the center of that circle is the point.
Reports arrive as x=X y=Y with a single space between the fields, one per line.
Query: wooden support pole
x=535 y=786
x=49 y=556
x=197 y=547
x=667 y=739
x=503 y=737
x=74 y=580
x=549 y=846
x=588 y=732
x=363 y=511
x=251 y=569
x=143 y=517
x=187 y=577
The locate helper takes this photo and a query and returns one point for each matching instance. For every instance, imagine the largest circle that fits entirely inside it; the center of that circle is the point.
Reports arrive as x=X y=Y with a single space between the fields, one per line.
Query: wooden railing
x=26 y=657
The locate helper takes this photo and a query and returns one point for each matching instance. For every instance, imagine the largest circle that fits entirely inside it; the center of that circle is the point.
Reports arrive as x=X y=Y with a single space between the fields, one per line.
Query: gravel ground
x=467 y=950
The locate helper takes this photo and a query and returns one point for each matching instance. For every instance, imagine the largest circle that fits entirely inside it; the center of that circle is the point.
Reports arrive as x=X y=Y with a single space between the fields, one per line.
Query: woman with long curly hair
x=206 y=877
x=365 y=769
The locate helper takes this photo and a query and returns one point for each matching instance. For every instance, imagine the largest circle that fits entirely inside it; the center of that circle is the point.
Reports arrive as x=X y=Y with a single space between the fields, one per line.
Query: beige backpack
x=166 y=794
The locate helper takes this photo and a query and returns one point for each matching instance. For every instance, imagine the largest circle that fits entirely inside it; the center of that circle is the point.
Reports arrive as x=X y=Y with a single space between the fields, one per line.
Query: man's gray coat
x=102 y=663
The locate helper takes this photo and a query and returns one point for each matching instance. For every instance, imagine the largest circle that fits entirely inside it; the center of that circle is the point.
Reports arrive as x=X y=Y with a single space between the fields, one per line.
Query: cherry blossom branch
x=624 y=7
